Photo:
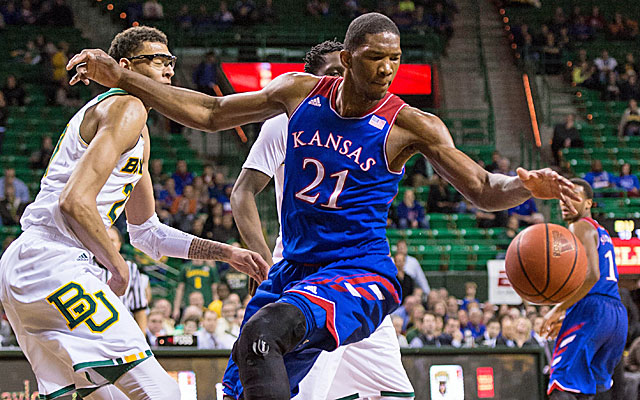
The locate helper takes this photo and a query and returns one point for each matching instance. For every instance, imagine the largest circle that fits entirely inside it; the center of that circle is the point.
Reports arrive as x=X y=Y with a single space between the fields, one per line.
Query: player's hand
x=548 y=184
x=552 y=323
x=95 y=65
x=249 y=262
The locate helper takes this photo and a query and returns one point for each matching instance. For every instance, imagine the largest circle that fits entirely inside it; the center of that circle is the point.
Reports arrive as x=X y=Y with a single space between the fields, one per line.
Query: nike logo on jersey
x=315 y=102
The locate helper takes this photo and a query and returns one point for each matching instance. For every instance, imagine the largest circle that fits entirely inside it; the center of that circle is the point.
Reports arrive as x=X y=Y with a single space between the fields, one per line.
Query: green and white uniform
x=66 y=319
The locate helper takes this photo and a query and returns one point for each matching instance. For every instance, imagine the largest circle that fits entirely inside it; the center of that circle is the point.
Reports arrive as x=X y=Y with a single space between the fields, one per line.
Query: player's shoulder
x=125 y=105
x=584 y=230
x=422 y=125
x=297 y=81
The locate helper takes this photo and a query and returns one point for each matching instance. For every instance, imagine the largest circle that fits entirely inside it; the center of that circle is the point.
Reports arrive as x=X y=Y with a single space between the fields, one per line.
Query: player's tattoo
x=202 y=249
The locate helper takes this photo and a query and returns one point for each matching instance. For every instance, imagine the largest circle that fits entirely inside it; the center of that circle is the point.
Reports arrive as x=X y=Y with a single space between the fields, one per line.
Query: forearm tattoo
x=202 y=249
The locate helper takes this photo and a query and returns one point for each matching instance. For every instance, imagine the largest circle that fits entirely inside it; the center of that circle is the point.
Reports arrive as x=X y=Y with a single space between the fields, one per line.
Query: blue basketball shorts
x=589 y=346
x=343 y=302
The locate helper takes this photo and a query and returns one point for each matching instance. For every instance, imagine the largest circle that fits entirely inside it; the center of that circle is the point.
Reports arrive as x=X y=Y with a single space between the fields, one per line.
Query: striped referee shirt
x=134 y=297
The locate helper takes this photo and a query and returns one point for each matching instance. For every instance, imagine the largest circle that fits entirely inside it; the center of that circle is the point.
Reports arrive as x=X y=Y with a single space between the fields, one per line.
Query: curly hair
x=128 y=41
x=314 y=58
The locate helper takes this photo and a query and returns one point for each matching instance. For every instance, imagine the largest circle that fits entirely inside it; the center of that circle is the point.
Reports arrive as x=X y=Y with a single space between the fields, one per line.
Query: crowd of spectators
x=443 y=198
x=35 y=12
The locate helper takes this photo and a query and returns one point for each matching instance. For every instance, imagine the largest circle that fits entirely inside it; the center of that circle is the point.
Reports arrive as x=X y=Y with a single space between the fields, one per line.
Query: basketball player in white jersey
x=72 y=327
x=370 y=369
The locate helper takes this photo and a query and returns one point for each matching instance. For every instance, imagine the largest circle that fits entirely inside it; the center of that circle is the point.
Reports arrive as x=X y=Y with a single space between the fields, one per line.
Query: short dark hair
x=128 y=41
x=588 y=190
x=367 y=24
x=493 y=320
x=314 y=58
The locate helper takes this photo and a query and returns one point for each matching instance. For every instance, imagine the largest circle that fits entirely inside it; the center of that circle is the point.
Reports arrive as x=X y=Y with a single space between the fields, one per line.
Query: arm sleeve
x=268 y=152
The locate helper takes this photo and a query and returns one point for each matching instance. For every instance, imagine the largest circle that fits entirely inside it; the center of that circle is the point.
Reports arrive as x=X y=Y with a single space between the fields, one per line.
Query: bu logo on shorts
x=78 y=307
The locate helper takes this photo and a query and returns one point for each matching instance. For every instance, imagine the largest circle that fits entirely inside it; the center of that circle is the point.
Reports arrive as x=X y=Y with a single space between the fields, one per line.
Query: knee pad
x=269 y=334
x=561 y=395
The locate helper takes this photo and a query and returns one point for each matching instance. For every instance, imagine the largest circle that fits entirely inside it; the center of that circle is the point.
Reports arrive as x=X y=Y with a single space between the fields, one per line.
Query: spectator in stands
x=495 y=157
x=397 y=325
x=484 y=219
x=196 y=275
x=318 y=8
x=523 y=333
x=611 y=88
x=205 y=74
x=152 y=10
x=565 y=136
x=164 y=307
x=598 y=178
x=537 y=338
x=629 y=87
x=504 y=167
x=14 y=93
x=154 y=327
x=352 y=8
x=406 y=282
x=581 y=30
x=228 y=322
x=224 y=17
x=410 y=212
x=60 y=14
x=605 y=64
x=59 y=61
x=412 y=267
x=182 y=176
x=415 y=322
x=441 y=199
x=409 y=303
x=630 y=122
x=512 y=227
x=207 y=336
x=491 y=334
x=167 y=194
x=451 y=335
x=427 y=336
x=452 y=307
x=184 y=19
x=475 y=325
x=439 y=21
x=470 y=289
x=628 y=181
x=10 y=13
x=596 y=21
x=629 y=66
x=580 y=73
x=184 y=209
x=11 y=208
x=552 y=55
x=40 y=159
x=507 y=332
x=268 y=14
x=526 y=212
x=623 y=28
x=245 y=12
x=559 y=20
x=158 y=177
x=191 y=325
x=21 y=190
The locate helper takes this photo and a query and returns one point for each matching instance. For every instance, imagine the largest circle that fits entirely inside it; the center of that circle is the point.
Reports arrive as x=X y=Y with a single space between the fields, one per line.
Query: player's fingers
x=523 y=174
x=253 y=269
x=567 y=201
x=77 y=59
x=75 y=79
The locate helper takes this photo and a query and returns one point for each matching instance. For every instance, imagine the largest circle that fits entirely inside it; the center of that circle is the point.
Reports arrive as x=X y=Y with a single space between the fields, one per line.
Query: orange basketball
x=546 y=263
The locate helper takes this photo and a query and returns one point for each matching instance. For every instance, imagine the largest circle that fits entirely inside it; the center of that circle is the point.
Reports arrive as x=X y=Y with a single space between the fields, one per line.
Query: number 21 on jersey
x=320 y=172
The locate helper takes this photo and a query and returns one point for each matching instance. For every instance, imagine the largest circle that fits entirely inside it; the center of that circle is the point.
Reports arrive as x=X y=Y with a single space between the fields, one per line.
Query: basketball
x=546 y=264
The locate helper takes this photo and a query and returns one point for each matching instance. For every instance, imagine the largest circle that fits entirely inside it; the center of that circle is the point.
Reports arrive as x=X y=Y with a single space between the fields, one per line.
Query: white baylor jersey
x=111 y=199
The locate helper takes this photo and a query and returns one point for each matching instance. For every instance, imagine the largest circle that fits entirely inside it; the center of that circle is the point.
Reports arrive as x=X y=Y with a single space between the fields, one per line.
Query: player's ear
x=588 y=203
x=124 y=63
x=345 y=58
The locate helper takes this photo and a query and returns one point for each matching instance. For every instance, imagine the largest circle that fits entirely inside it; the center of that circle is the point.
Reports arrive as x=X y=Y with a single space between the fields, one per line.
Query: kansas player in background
x=72 y=327
x=592 y=335
x=340 y=373
x=347 y=145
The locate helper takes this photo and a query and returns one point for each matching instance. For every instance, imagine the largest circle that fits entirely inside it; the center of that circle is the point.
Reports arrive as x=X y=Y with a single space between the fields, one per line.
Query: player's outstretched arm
x=156 y=239
x=588 y=236
x=188 y=107
x=120 y=120
x=427 y=134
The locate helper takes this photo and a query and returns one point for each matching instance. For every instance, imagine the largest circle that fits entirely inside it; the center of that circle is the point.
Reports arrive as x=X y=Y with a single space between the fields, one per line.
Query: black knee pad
x=560 y=395
x=269 y=334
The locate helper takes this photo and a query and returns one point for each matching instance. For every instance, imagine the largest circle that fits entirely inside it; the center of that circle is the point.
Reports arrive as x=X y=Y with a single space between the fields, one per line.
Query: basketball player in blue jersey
x=347 y=145
x=592 y=335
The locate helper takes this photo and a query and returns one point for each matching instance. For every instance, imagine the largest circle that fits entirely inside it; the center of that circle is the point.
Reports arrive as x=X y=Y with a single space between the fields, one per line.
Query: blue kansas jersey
x=592 y=337
x=337 y=186
x=608 y=283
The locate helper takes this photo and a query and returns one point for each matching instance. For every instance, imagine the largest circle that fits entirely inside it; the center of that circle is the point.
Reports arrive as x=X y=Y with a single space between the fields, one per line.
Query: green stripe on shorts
x=350 y=397
x=397 y=394
x=57 y=393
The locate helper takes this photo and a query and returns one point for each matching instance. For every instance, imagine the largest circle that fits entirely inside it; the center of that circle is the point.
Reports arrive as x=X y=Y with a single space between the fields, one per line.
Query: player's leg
x=267 y=293
x=148 y=381
x=384 y=377
x=560 y=395
x=317 y=384
x=611 y=338
x=106 y=392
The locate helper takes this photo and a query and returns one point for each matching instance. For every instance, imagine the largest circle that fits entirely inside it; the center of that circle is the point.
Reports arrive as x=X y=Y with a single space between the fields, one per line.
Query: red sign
x=484 y=377
x=627 y=255
x=247 y=77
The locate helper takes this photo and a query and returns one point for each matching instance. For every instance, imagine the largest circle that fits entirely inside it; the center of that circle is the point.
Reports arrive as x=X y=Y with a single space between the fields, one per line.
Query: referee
x=135 y=297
